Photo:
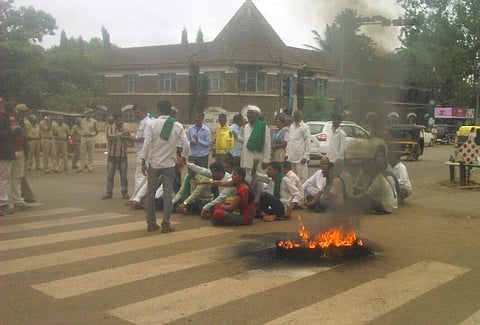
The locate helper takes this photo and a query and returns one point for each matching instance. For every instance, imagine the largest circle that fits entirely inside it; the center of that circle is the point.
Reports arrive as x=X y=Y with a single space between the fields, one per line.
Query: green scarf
x=276 y=186
x=167 y=128
x=256 y=139
x=186 y=188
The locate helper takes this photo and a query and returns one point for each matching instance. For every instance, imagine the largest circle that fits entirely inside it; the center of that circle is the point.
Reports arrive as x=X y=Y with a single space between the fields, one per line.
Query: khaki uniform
x=48 y=146
x=89 y=131
x=76 y=138
x=61 y=133
x=33 y=139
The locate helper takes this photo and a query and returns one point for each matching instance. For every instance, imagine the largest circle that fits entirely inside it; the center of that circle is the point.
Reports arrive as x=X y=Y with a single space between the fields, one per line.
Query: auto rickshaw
x=406 y=140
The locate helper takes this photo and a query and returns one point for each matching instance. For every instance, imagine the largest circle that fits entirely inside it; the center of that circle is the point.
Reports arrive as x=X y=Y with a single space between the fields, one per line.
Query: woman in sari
x=279 y=140
x=240 y=210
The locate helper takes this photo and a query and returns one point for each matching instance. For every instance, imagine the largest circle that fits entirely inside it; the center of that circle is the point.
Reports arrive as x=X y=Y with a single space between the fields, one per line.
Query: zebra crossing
x=222 y=249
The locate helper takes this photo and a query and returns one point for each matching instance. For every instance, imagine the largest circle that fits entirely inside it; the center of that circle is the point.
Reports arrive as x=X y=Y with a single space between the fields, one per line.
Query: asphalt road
x=76 y=259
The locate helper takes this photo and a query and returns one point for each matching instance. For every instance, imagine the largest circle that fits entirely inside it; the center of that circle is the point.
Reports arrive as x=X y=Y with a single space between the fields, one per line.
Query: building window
x=252 y=82
x=394 y=94
x=322 y=87
x=129 y=83
x=167 y=83
x=215 y=81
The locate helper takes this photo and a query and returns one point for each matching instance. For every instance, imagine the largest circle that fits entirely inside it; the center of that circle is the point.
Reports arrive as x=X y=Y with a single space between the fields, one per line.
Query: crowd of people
x=232 y=190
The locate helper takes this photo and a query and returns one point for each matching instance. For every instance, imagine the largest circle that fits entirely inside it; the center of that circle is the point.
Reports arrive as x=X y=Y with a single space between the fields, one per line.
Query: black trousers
x=269 y=204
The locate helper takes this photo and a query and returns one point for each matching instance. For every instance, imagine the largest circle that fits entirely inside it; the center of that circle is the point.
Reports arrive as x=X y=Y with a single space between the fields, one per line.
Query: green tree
x=106 y=38
x=184 y=36
x=20 y=55
x=442 y=52
x=199 y=36
x=318 y=109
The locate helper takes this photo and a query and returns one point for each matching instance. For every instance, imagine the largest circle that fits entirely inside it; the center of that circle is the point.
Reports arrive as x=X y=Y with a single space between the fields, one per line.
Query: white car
x=360 y=145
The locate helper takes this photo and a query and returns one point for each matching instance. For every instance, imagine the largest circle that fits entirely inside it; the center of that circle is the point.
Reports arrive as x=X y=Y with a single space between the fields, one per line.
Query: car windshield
x=316 y=128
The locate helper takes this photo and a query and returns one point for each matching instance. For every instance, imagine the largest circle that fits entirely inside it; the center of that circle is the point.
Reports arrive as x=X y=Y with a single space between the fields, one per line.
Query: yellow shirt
x=224 y=140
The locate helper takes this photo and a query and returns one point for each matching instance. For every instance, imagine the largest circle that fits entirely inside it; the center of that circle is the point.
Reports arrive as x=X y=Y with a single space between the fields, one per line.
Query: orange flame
x=332 y=237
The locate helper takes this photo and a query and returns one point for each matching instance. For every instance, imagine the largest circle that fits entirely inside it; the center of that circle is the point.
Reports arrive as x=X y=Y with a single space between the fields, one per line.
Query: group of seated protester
x=221 y=193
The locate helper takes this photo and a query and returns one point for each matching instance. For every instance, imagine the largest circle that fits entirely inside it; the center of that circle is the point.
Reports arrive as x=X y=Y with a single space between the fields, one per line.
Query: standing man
x=7 y=156
x=118 y=138
x=61 y=132
x=48 y=145
x=87 y=144
x=338 y=142
x=200 y=140
x=256 y=145
x=76 y=138
x=224 y=139
x=298 y=145
x=33 y=138
x=159 y=156
x=236 y=129
x=18 y=166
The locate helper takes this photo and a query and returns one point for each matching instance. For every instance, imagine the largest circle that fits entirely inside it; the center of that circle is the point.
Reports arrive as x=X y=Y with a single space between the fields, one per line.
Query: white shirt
x=298 y=145
x=248 y=155
x=338 y=142
x=160 y=153
x=142 y=125
x=314 y=183
x=400 y=172
x=288 y=190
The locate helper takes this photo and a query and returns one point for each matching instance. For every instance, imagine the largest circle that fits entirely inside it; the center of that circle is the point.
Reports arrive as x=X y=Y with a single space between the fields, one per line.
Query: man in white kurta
x=298 y=145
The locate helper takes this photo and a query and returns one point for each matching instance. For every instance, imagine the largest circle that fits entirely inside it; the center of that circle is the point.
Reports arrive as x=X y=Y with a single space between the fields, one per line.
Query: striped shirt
x=117 y=144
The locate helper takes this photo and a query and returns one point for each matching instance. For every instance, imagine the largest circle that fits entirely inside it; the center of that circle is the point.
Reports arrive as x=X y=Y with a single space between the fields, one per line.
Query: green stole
x=186 y=188
x=276 y=186
x=167 y=128
x=256 y=139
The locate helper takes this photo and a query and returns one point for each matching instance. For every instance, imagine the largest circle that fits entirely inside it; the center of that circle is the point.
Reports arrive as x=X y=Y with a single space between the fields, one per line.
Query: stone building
x=249 y=64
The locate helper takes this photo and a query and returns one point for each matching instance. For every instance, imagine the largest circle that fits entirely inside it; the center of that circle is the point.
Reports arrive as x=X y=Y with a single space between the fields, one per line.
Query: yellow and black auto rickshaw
x=406 y=140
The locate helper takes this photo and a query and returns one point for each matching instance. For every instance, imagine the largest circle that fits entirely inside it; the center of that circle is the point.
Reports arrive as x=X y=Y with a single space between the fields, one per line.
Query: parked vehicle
x=445 y=133
x=406 y=140
x=463 y=132
x=360 y=145
x=428 y=138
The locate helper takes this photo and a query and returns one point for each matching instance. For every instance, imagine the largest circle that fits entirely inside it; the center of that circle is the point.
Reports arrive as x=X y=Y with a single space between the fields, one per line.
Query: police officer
x=48 y=145
x=61 y=132
x=33 y=138
x=89 y=132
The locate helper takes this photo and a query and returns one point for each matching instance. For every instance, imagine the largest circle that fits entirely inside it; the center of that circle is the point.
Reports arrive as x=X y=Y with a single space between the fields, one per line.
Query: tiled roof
x=247 y=38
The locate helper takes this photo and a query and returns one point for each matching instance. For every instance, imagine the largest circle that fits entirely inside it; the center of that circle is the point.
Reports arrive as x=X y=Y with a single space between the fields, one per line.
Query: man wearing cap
x=33 y=138
x=89 y=131
x=61 y=132
x=256 y=145
x=48 y=145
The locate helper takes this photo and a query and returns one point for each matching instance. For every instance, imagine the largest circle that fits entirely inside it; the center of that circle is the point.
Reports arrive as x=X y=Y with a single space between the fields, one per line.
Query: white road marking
x=139 y=271
x=370 y=300
x=179 y=304
x=59 y=222
x=472 y=320
x=70 y=235
x=41 y=261
x=33 y=213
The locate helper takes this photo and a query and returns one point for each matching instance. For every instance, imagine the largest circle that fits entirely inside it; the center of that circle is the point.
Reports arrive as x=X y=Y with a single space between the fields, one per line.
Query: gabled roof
x=247 y=37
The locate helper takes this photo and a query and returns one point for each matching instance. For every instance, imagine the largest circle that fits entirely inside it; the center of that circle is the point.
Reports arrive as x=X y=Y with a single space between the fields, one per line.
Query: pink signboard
x=452 y=112
x=443 y=112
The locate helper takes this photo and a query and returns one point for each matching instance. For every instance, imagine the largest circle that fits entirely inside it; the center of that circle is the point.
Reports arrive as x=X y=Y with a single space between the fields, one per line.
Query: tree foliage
x=60 y=78
x=343 y=42
x=319 y=109
x=199 y=36
x=184 y=36
x=443 y=51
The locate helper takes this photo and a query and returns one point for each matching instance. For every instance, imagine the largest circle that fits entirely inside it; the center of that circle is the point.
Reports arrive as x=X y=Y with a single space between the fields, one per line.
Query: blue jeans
x=152 y=185
x=121 y=164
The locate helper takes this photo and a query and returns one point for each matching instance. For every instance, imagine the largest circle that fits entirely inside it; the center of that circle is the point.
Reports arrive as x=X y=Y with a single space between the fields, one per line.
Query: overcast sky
x=160 y=22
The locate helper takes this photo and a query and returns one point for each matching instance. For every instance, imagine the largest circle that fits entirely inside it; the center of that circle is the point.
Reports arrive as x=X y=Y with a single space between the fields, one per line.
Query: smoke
x=324 y=12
